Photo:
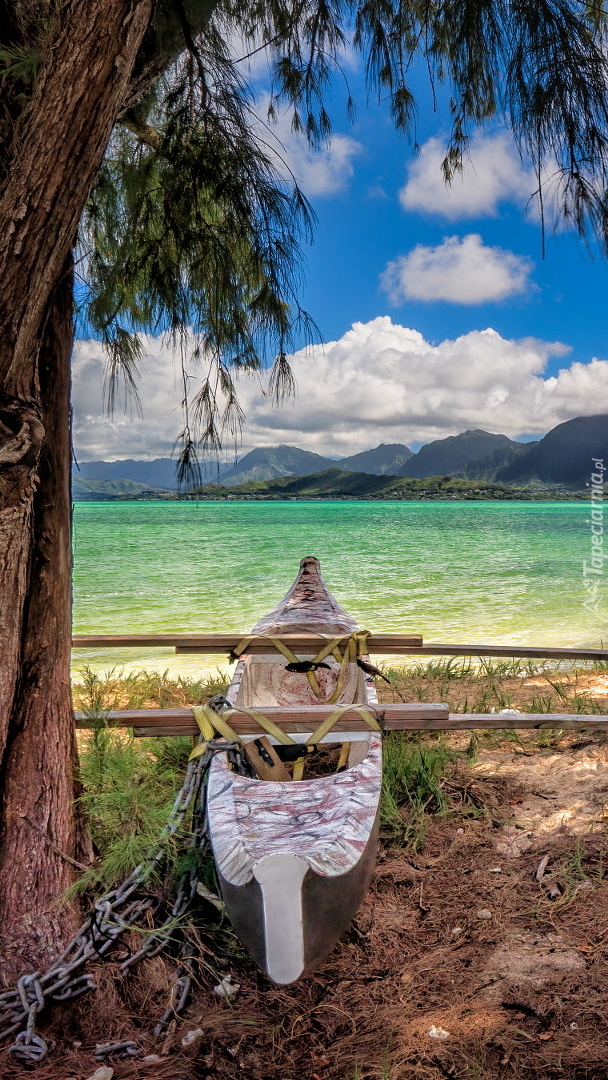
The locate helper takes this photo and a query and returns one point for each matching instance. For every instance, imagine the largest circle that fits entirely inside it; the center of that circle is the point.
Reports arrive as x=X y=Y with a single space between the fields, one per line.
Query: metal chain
x=114 y=913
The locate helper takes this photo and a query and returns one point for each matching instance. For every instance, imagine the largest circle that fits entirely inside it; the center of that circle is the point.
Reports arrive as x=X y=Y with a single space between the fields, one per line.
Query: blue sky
x=395 y=200
x=437 y=309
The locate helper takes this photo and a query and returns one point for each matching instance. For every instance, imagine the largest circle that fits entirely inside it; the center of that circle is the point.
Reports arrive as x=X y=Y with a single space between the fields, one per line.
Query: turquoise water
x=453 y=571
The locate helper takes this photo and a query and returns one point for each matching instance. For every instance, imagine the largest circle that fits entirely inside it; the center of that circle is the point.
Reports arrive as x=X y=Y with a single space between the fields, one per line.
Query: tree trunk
x=57 y=152
x=37 y=793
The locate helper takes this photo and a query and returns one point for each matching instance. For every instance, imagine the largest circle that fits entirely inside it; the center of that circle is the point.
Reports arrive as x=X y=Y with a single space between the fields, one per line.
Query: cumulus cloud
x=380 y=382
x=321 y=171
x=126 y=433
x=492 y=173
x=461 y=270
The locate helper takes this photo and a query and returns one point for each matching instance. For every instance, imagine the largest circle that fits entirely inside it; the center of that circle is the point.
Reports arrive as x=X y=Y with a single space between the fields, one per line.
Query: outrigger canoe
x=295 y=857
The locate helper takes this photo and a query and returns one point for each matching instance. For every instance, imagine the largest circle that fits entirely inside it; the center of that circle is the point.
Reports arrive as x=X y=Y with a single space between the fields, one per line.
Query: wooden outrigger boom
x=377 y=642
x=418 y=717
x=292 y=719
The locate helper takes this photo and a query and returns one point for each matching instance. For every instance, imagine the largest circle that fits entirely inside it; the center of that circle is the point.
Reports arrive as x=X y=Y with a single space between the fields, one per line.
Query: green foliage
x=18 y=68
x=491 y=684
x=411 y=784
x=583 y=703
x=18 y=64
x=334 y=483
x=97 y=694
x=129 y=784
x=195 y=224
x=117 y=689
x=539 y=63
x=191 y=230
x=542 y=703
x=129 y=788
x=584 y=863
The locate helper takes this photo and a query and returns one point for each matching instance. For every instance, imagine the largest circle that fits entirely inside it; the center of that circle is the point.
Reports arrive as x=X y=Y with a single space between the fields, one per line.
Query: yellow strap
x=332 y=645
x=356 y=646
x=204 y=722
x=199 y=749
x=337 y=714
x=343 y=758
x=209 y=722
x=267 y=725
x=298 y=769
x=284 y=649
x=241 y=647
x=206 y=728
x=344 y=659
x=316 y=737
x=293 y=659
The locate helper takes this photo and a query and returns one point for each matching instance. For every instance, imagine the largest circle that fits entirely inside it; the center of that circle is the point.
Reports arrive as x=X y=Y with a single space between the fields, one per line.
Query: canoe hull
x=295 y=859
x=326 y=905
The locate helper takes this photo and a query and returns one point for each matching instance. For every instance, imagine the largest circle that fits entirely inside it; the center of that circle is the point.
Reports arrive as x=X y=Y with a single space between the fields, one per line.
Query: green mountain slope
x=268 y=462
x=565 y=456
x=83 y=490
x=338 y=484
x=455 y=454
x=385 y=460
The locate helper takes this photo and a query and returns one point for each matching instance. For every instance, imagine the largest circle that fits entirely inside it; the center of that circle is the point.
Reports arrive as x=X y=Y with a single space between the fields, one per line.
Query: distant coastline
x=334 y=484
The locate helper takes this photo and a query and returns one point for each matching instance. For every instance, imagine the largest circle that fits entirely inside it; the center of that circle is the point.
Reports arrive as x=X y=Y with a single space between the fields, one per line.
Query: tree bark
x=57 y=151
x=38 y=766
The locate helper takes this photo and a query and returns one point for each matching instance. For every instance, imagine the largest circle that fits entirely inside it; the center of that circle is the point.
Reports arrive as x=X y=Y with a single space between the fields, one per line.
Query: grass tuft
x=411 y=785
x=493 y=684
x=129 y=785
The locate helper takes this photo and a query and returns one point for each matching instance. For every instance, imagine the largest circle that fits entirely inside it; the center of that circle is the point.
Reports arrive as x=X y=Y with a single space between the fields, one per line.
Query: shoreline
x=518 y=496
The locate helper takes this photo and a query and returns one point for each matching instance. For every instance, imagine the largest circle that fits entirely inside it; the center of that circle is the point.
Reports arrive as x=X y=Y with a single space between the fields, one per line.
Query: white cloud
x=319 y=172
x=323 y=171
x=380 y=382
x=492 y=173
x=460 y=270
x=125 y=434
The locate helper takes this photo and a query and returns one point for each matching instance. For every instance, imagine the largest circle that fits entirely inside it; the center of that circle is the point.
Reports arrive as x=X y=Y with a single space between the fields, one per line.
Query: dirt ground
x=480 y=952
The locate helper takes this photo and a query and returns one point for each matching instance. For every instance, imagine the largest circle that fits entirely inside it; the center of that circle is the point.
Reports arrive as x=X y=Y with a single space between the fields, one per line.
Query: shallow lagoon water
x=496 y=572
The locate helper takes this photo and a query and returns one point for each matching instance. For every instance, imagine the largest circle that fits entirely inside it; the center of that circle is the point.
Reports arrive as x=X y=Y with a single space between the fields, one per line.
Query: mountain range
x=264 y=463
x=562 y=459
x=564 y=456
x=464 y=453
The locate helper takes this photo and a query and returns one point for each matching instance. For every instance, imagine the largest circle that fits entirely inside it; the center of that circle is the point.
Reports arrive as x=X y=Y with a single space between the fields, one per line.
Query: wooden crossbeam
x=518 y=651
x=304 y=719
x=508 y=721
x=397 y=644
x=225 y=643
x=518 y=722
x=300 y=719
